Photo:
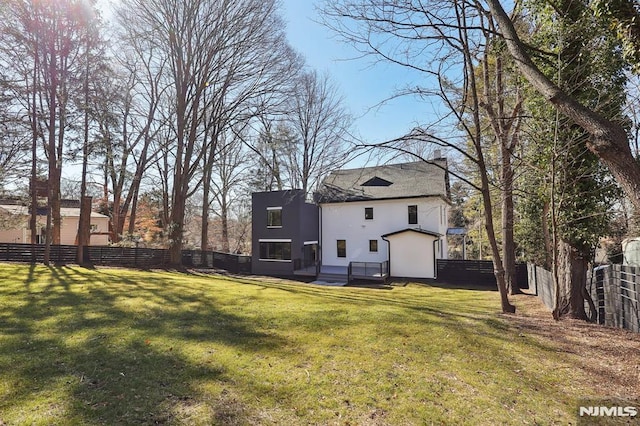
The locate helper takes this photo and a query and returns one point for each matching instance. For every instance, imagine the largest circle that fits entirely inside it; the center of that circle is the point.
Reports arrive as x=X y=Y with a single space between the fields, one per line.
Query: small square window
x=342 y=248
x=373 y=245
x=413 y=214
x=368 y=213
x=274 y=217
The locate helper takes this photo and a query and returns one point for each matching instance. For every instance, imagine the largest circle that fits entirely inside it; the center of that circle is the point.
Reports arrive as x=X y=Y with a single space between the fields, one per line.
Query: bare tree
x=320 y=129
x=129 y=122
x=220 y=54
x=401 y=32
x=228 y=177
x=503 y=108
x=53 y=36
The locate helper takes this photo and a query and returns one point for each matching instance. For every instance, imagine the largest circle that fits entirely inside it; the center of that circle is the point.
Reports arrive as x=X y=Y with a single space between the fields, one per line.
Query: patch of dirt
x=608 y=358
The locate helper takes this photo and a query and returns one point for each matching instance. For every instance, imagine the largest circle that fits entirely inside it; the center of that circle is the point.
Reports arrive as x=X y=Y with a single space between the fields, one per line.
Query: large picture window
x=274 y=217
x=275 y=250
x=342 y=248
x=413 y=215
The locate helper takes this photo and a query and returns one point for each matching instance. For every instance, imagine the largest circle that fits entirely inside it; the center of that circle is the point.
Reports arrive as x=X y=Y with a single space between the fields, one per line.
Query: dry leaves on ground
x=607 y=358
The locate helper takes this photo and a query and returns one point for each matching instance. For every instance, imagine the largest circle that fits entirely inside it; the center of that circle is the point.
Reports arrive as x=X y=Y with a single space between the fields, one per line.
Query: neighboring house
x=396 y=213
x=284 y=233
x=394 y=216
x=14 y=224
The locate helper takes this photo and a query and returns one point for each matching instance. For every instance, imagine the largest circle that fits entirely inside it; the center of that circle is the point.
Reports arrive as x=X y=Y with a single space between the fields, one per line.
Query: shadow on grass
x=102 y=348
x=106 y=345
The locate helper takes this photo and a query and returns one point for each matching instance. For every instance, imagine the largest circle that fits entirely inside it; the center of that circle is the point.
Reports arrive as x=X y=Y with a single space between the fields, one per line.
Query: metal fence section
x=378 y=271
x=615 y=290
x=541 y=282
x=475 y=272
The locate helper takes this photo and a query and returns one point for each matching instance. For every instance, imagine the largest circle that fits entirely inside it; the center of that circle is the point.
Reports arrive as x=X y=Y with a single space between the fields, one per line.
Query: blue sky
x=362 y=83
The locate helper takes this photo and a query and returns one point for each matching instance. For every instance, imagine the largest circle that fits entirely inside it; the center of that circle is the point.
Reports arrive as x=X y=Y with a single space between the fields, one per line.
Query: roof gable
x=405 y=180
x=417 y=230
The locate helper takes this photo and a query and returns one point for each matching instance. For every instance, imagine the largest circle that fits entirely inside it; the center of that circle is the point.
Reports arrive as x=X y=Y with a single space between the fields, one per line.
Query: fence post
x=636 y=323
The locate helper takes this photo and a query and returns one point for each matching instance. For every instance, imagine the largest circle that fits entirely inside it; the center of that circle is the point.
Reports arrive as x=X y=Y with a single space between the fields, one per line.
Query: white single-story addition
x=413 y=253
x=14 y=225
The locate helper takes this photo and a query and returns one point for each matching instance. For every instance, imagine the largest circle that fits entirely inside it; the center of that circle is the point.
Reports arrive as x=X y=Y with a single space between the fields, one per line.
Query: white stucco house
x=14 y=224
x=392 y=213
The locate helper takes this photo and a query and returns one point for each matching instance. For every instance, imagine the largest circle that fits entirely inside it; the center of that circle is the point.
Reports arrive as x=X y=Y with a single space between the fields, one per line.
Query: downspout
x=435 y=259
x=388 y=255
x=319 y=254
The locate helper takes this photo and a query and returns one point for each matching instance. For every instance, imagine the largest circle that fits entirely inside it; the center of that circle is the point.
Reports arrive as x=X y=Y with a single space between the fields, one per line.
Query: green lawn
x=111 y=346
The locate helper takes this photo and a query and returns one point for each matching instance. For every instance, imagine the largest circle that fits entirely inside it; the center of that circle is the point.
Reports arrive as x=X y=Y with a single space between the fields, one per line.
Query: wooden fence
x=615 y=291
x=125 y=256
x=35 y=253
x=135 y=257
x=475 y=272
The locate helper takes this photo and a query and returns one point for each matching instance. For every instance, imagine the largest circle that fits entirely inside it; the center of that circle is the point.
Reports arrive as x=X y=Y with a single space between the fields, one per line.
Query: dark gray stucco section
x=299 y=224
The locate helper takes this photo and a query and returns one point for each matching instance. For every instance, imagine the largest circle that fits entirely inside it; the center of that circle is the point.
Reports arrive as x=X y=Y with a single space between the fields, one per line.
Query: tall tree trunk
x=572 y=282
x=176 y=228
x=206 y=187
x=224 y=218
x=33 y=219
x=508 y=241
x=52 y=195
x=117 y=219
x=84 y=223
x=548 y=241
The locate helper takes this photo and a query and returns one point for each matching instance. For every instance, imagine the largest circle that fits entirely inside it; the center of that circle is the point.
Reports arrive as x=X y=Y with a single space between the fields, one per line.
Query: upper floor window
x=274 y=217
x=368 y=213
x=413 y=214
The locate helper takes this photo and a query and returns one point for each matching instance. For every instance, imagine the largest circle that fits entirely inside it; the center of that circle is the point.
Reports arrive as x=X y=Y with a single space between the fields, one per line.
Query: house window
x=274 y=217
x=368 y=213
x=413 y=214
x=342 y=248
x=93 y=228
x=275 y=250
x=373 y=245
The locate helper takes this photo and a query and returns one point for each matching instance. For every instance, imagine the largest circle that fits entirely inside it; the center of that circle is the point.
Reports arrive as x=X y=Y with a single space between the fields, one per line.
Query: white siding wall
x=68 y=231
x=13 y=236
x=345 y=221
x=102 y=225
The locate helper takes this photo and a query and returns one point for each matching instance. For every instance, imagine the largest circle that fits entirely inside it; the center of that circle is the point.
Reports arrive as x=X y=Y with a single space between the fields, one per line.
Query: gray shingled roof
x=417 y=179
